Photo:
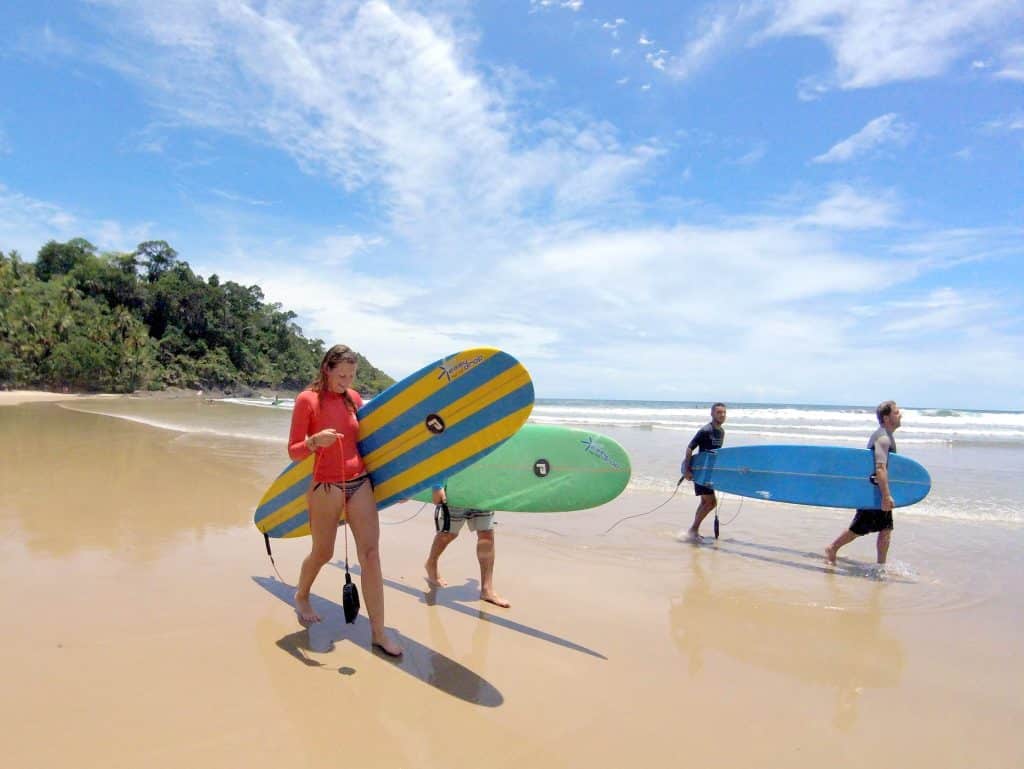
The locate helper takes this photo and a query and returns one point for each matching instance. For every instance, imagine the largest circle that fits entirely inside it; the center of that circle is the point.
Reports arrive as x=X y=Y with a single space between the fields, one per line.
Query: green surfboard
x=542 y=469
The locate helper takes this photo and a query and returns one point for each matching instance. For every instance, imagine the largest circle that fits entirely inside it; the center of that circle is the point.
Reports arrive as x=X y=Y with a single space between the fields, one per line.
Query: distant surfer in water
x=324 y=422
x=864 y=522
x=708 y=438
x=480 y=521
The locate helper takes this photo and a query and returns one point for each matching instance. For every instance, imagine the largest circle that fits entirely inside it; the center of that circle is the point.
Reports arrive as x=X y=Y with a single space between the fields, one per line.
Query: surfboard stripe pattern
x=430 y=425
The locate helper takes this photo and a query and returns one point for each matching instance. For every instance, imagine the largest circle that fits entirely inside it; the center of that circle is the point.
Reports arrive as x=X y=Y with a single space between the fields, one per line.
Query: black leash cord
x=653 y=509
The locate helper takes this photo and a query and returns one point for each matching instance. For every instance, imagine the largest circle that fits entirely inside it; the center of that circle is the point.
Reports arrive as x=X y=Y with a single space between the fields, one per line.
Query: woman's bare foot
x=304 y=611
x=491 y=597
x=433 y=575
x=388 y=646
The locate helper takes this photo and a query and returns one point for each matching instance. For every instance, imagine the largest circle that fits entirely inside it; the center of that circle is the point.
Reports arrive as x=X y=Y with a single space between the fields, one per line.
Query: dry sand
x=142 y=626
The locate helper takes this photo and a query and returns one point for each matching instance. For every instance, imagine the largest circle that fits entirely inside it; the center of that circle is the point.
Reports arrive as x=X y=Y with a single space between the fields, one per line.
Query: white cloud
x=27 y=223
x=572 y=5
x=1012 y=64
x=847 y=209
x=236 y=198
x=942 y=309
x=372 y=96
x=656 y=61
x=697 y=52
x=642 y=40
x=1008 y=124
x=752 y=156
x=883 y=41
x=887 y=129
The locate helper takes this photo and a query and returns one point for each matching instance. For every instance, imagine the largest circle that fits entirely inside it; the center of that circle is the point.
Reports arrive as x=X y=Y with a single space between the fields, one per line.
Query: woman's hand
x=323 y=439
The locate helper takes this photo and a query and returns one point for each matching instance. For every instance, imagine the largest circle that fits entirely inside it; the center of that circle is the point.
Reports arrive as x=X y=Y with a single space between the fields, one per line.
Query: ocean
x=976 y=458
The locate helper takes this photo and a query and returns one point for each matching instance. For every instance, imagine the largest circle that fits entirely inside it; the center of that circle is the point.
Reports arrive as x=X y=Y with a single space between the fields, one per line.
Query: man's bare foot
x=491 y=597
x=433 y=576
x=388 y=646
x=830 y=554
x=304 y=611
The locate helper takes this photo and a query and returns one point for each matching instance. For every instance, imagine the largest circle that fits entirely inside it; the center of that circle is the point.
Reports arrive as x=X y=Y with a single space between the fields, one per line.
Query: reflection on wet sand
x=74 y=481
x=770 y=629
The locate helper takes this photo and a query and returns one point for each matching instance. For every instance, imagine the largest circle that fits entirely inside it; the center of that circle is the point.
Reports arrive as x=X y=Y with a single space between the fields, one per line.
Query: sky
x=785 y=201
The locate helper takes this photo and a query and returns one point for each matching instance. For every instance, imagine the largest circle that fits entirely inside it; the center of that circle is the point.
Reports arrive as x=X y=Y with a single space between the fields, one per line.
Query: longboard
x=828 y=476
x=542 y=469
x=429 y=426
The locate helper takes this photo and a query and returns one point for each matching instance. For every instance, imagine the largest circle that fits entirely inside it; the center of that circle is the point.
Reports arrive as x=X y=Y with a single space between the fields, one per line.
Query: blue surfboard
x=826 y=476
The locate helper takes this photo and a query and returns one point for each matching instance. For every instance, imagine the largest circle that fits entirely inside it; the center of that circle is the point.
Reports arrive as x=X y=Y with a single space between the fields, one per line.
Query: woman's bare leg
x=362 y=517
x=324 y=513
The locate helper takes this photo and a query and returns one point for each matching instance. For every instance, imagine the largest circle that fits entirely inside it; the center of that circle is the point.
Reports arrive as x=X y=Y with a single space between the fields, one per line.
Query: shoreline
x=17 y=397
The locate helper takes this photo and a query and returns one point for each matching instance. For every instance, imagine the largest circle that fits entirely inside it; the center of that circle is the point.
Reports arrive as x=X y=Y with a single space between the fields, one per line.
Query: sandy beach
x=144 y=626
x=16 y=397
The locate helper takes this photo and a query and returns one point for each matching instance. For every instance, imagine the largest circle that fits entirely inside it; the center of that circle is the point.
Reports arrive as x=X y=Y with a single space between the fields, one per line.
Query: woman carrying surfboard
x=324 y=423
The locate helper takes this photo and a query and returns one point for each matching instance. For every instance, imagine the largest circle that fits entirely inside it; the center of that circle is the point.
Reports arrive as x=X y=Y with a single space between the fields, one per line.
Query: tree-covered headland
x=120 y=322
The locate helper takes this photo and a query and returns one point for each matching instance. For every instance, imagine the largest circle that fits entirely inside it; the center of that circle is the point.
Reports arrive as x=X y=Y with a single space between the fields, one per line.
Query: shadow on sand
x=427 y=665
x=457 y=599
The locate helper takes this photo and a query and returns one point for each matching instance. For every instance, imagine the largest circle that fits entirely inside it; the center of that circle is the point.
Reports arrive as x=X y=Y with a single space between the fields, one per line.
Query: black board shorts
x=867 y=521
x=700 y=491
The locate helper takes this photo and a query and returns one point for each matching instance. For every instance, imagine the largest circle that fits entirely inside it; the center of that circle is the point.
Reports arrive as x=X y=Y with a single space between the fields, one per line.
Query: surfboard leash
x=404 y=520
x=266 y=540
x=349 y=592
x=653 y=509
x=729 y=522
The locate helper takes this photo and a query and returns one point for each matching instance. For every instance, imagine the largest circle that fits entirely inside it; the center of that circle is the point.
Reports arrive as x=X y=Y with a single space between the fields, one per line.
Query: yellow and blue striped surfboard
x=423 y=429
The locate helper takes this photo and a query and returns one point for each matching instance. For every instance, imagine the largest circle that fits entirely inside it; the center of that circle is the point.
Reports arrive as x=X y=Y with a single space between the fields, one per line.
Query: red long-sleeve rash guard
x=318 y=411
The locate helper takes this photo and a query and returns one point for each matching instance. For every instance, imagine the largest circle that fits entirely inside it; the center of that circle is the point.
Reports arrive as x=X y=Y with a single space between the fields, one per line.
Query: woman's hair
x=337 y=354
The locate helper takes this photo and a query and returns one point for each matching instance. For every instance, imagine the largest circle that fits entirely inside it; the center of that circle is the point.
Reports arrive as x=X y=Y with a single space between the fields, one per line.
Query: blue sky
x=805 y=201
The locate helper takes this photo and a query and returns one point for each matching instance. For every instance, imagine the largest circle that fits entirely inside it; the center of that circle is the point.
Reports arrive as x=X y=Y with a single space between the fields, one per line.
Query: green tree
x=61 y=258
x=157 y=257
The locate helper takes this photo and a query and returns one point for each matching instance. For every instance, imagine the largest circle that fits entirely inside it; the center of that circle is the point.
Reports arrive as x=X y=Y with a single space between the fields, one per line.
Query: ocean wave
x=180 y=426
x=280 y=403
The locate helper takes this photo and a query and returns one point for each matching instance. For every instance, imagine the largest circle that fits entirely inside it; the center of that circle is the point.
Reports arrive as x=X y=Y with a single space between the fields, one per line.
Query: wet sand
x=142 y=625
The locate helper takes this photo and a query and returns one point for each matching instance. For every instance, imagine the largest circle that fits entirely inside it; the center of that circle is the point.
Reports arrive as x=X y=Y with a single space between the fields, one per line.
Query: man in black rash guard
x=708 y=438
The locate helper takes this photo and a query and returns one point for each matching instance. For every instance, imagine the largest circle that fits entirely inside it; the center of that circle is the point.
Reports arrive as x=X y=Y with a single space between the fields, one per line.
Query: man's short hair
x=884 y=409
x=716 y=405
